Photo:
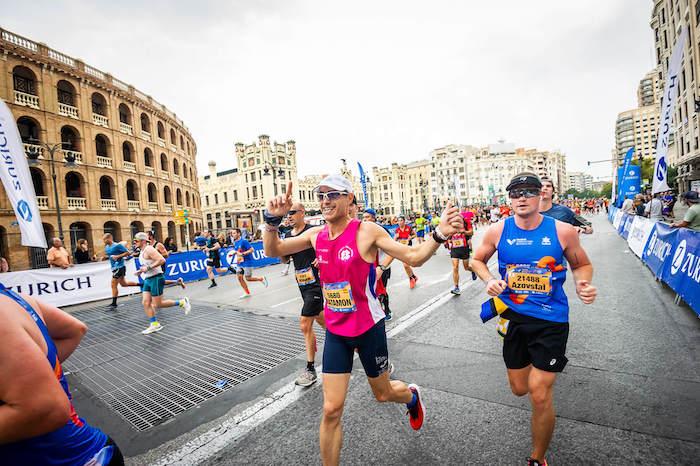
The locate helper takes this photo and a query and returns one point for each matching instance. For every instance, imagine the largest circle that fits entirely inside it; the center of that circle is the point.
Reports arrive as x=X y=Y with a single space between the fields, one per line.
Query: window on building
x=284 y=189
x=216 y=198
x=206 y=200
x=261 y=191
x=252 y=177
x=235 y=195
x=225 y=196
x=255 y=192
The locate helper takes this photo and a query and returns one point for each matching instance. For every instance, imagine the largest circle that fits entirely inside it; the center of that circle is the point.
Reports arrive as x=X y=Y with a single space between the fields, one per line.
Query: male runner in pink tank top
x=346 y=250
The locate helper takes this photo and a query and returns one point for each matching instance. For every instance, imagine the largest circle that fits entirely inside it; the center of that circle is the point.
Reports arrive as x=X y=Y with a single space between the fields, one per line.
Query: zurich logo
x=24 y=211
x=678 y=257
x=661 y=169
x=652 y=242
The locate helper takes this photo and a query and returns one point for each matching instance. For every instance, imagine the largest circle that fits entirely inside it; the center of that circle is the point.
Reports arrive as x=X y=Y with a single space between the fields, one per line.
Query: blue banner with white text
x=192 y=265
x=682 y=269
x=659 y=247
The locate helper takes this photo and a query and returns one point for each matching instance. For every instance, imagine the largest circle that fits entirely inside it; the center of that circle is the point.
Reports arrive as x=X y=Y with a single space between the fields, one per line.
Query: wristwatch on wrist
x=438 y=236
x=271 y=220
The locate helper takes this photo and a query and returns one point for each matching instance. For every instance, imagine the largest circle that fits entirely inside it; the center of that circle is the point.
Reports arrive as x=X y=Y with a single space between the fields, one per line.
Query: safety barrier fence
x=672 y=254
x=91 y=282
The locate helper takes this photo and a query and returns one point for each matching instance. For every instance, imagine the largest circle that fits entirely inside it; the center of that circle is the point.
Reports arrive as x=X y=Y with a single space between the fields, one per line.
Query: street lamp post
x=33 y=156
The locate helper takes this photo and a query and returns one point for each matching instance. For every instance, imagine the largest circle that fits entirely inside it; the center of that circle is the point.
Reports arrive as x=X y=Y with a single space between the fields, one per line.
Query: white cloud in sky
x=374 y=82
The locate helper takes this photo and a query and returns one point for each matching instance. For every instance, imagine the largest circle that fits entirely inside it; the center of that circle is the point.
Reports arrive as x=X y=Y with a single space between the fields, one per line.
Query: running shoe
x=388 y=316
x=265 y=282
x=112 y=306
x=244 y=295
x=391 y=368
x=412 y=282
x=154 y=327
x=185 y=304
x=232 y=268
x=212 y=285
x=533 y=462
x=181 y=282
x=455 y=290
x=416 y=415
x=306 y=378
x=474 y=277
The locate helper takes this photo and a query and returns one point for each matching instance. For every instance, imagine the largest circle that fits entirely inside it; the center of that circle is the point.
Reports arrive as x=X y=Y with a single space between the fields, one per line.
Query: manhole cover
x=149 y=379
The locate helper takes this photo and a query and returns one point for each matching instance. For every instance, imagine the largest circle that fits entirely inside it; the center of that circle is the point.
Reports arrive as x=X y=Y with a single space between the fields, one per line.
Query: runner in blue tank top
x=38 y=424
x=533 y=253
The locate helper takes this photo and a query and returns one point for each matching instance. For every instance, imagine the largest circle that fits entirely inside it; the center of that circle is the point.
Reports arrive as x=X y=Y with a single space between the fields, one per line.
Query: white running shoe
x=185 y=304
x=265 y=282
x=154 y=327
x=244 y=295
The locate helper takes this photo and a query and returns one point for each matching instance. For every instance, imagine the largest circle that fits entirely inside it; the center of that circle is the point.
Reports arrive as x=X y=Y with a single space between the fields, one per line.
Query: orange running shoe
x=416 y=414
x=412 y=282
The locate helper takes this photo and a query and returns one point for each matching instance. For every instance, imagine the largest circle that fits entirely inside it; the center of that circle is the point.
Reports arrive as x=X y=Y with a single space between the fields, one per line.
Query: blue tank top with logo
x=76 y=443
x=533 y=265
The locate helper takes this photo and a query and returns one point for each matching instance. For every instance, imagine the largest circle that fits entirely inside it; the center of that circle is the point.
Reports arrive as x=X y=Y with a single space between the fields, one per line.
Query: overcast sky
x=375 y=81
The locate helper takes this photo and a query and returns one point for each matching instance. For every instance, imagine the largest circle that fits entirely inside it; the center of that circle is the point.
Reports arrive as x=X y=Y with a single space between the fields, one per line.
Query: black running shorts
x=339 y=351
x=214 y=262
x=119 y=273
x=459 y=253
x=313 y=300
x=542 y=344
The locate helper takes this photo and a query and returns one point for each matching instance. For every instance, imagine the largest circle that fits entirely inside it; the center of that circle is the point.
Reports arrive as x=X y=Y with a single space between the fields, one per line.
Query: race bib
x=525 y=279
x=338 y=297
x=458 y=243
x=305 y=276
x=403 y=240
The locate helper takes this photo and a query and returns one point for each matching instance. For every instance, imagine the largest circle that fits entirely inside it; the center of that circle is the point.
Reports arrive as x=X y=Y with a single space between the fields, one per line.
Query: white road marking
x=286 y=302
x=217 y=438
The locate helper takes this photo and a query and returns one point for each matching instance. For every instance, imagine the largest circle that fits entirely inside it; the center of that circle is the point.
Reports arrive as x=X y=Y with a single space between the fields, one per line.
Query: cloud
x=371 y=81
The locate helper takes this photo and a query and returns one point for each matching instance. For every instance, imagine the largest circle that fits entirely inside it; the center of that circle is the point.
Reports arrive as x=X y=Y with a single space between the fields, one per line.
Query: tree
x=607 y=190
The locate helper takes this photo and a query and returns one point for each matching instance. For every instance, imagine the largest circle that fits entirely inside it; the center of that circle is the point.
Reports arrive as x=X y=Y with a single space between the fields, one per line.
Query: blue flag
x=363 y=181
x=620 y=181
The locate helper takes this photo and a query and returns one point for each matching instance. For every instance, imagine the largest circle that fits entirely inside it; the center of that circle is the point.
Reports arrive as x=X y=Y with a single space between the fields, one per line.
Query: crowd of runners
x=341 y=269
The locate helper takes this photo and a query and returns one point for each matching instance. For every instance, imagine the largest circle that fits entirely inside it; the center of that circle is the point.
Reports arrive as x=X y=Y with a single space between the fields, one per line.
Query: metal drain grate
x=149 y=379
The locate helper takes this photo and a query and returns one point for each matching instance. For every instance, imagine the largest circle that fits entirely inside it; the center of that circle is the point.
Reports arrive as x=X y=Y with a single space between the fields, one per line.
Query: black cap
x=523 y=179
x=691 y=196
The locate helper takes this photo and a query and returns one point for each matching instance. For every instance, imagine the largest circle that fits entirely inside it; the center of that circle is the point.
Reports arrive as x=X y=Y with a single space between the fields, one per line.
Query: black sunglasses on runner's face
x=292 y=212
x=330 y=195
x=525 y=192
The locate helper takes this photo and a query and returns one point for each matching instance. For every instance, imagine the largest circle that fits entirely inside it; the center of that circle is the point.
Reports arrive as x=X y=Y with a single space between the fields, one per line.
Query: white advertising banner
x=639 y=234
x=17 y=180
x=617 y=219
x=668 y=104
x=62 y=287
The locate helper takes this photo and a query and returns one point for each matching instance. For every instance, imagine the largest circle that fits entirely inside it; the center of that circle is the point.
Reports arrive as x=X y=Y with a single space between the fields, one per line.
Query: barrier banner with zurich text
x=661 y=243
x=639 y=234
x=682 y=268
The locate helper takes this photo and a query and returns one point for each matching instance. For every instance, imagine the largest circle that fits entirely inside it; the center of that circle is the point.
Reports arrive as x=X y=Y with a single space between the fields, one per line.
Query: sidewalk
x=630 y=393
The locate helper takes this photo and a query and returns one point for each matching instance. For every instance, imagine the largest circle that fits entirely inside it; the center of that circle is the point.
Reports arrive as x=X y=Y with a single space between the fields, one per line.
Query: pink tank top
x=351 y=304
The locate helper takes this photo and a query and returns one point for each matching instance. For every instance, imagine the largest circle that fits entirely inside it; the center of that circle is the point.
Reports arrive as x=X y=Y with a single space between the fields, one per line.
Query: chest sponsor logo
x=546 y=241
x=345 y=253
x=519 y=241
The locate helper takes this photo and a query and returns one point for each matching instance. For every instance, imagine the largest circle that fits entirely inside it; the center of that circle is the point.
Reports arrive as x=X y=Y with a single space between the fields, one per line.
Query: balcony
x=108 y=204
x=176 y=177
x=173 y=147
x=68 y=110
x=100 y=120
x=161 y=142
x=133 y=206
x=150 y=171
x=168 y=207
x=104 y=162
x=145 y=135
x=129 y=166
x=126 y=128
x=34 y=148
x=28 y=100
x=77 y=203
x=78 y=155
x=164 y=175
x=153 y=206
x=42 y=202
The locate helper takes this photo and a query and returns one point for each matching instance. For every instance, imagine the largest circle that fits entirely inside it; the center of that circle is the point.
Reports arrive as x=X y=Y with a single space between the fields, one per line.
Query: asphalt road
x=630 y=393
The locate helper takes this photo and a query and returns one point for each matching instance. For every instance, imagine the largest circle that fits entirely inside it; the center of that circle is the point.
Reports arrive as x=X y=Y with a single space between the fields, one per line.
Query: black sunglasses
x=292 y=212
x=528 y=193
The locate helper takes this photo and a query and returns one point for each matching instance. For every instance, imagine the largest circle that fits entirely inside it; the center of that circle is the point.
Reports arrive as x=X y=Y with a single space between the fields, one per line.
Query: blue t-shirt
x=562 y=213
x=244 y=245
x=115 y=249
